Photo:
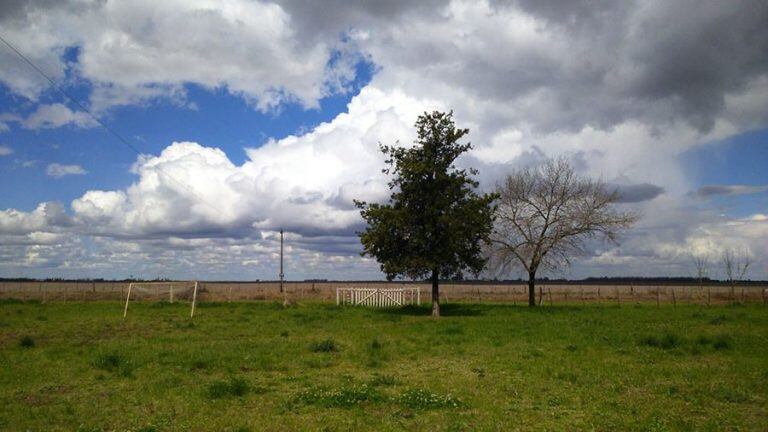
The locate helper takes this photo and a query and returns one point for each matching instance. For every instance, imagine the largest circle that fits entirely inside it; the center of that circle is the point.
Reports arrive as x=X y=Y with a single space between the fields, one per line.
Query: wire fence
x=546 y=294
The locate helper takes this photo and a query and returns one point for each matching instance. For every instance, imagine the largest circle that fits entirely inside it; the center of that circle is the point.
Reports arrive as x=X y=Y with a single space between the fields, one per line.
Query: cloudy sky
x=237 y=118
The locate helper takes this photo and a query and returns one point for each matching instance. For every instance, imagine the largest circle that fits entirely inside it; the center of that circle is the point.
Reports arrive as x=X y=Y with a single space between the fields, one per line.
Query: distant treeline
x=619 y=280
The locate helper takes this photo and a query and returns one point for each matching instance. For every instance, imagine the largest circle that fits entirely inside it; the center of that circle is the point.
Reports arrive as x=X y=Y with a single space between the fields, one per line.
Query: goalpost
x=162 y=291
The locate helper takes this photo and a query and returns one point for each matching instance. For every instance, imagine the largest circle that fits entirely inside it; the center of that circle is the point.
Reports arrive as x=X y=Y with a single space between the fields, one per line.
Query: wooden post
x=194 y=300
x=541 y=295
x=598 y=294
x=229 y=295
x=418 y=295
x=127 y=298
x=674 y=298
x=632 y=292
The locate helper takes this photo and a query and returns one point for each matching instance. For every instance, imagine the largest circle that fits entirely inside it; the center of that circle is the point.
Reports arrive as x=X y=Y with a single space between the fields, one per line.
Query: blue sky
x=218 y=119
x=253 y=116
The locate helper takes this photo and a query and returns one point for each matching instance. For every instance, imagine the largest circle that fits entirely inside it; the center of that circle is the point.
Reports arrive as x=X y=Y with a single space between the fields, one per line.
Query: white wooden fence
x=378 y=297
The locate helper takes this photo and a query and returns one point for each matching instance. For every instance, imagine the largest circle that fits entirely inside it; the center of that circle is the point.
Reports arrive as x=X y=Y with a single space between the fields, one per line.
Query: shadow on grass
x=479 y=309
x=450 y=309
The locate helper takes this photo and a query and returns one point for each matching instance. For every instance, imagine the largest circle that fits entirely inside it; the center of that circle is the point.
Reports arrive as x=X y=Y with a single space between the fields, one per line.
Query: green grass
x=259 y=366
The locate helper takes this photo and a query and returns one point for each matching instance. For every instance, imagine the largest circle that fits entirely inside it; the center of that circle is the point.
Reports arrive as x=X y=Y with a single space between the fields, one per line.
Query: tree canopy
x=435 y=224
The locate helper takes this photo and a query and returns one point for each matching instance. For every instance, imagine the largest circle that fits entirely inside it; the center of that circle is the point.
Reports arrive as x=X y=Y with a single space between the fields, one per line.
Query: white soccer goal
x=162 y=291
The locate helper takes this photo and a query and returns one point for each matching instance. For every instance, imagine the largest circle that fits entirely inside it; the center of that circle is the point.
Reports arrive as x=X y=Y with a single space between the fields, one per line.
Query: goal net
x=171 y=292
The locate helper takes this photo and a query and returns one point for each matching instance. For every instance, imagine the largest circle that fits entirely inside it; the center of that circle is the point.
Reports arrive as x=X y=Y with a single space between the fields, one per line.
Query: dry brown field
x=547 y=293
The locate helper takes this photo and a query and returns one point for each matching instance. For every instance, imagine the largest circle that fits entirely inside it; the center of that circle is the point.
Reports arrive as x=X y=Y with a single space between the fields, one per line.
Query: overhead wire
x=113 y=132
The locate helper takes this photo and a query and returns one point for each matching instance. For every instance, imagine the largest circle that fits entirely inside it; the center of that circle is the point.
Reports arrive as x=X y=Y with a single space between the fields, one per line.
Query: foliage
x=435 y=223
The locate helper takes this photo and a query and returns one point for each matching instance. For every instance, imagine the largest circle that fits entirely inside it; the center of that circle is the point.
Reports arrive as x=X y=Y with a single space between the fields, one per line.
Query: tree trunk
x=435 y=294
x=532 y=289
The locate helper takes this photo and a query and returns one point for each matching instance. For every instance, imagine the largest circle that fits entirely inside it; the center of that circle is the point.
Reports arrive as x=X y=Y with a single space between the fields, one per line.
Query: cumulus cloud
x=45 y=217
x=137 y=51
x=5 y=150
x=304 y=184
x=622 y=89
x=57 y=170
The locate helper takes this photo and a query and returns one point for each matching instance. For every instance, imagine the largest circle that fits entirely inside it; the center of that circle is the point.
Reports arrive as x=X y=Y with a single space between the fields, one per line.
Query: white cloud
x=138 y=51
x=622 y=88
x=45 y=217
x=301 y=183
x=5 y=150
x=57 y=170
x=57 y=115
x=50 y=117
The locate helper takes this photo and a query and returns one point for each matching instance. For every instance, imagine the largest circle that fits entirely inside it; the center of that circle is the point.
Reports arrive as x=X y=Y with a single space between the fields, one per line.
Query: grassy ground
x=257 y=366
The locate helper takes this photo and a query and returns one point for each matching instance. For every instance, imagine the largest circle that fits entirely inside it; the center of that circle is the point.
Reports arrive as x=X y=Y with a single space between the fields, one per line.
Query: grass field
x=258 y=366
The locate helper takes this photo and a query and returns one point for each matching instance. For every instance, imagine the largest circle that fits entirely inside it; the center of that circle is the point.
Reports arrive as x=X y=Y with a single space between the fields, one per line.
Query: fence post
x=674 y=298
x=598 y=294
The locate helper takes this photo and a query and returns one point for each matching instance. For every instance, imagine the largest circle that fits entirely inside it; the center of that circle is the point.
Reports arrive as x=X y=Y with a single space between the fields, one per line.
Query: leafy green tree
x=435 y=224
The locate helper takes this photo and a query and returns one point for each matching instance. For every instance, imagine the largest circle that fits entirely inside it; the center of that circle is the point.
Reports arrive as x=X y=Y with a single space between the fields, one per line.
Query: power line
x=114 y=133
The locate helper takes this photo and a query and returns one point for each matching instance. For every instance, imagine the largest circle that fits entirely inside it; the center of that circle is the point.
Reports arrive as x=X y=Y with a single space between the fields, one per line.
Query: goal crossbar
x=137 y=285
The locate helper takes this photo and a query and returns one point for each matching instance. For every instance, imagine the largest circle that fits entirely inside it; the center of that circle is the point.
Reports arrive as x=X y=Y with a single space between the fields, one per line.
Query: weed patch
x=667 y=342
x=383 y=380
x=345 y=397
x=113 y=362
x=233 y=387
x=26 y=342
x=324 y=346
x=419 y=399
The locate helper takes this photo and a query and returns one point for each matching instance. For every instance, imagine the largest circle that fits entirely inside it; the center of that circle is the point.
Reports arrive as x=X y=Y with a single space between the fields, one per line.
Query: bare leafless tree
x=701 y=265
x=545 y=215
x=735 y=267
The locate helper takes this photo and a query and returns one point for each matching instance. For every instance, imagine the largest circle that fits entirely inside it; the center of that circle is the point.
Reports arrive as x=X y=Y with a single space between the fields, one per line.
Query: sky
x=178 y=137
